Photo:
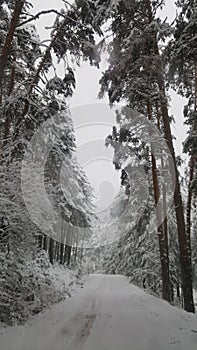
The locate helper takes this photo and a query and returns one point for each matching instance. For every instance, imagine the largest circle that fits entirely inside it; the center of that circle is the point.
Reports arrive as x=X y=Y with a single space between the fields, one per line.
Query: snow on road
x=107 y=314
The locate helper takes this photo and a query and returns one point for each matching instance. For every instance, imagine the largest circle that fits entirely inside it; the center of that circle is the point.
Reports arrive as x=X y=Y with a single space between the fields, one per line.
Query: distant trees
x=136 y=253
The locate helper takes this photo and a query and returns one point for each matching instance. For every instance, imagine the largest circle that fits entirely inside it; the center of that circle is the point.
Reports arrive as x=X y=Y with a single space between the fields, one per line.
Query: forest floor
x=107 y=314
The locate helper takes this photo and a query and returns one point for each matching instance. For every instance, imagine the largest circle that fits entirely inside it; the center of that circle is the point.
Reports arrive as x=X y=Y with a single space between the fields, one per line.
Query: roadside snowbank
x=27 y=288
x=107 y=314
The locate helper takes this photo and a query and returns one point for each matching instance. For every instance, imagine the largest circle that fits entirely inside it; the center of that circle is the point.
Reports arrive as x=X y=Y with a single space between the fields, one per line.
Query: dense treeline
x=25 y=106
x=32 y=94
x=143 y=64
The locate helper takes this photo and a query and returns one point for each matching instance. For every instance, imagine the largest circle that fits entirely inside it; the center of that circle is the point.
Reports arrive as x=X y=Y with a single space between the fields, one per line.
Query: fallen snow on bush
x=26 y=288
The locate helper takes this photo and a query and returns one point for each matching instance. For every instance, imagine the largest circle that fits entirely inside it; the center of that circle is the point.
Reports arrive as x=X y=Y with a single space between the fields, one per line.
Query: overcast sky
x=93 y=121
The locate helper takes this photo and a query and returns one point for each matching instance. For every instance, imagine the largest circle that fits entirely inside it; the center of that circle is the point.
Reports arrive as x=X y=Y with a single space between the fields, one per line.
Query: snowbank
x=26 y=288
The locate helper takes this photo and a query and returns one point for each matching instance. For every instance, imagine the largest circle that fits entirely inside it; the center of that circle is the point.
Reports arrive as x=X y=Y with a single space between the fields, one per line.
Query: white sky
x=92 y=112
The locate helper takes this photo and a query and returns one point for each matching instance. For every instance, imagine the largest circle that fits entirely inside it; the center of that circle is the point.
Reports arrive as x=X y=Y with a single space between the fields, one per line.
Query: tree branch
x=8 y=41
x=44 y=12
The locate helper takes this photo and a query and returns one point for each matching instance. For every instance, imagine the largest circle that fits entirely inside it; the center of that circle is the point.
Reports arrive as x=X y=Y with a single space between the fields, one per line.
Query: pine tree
x=17 y=11
x=146 y=156
x=136 y=74
x=181 y=55
x=29 y=99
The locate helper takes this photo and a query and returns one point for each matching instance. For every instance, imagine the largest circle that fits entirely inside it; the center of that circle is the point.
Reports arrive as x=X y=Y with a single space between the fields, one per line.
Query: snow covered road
x=107 y=314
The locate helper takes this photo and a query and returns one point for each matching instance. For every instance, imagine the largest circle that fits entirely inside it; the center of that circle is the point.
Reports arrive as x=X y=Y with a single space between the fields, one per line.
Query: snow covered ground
x=107 y=314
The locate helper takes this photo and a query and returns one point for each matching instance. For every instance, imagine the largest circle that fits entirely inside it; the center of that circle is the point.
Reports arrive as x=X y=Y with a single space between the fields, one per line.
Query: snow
x=29 y=286
x=195 y=297
x=31 y=30
x=107 y=314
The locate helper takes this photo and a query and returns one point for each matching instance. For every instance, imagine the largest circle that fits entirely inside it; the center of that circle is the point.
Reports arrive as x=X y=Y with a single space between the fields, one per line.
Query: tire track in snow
x=83 y=323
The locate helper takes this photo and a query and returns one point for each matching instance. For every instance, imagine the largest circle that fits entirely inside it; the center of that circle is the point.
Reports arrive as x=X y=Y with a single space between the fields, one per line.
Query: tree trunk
x=69 y=255
x=76 y=251
x=172 y=293
x=192 y=162
x=68 y=247
x=36 y=77
x=166 y=294
x=65 y=253
x=163 y=244
x=51 y=251
x=189 y=201
x=165 y=227
x=185 y=256
x=40 y=241
x=62 y=253
x=45 y=243
x=8 y=41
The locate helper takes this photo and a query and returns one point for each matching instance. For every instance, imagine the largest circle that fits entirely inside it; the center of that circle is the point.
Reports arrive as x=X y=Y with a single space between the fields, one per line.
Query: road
x=107 y=314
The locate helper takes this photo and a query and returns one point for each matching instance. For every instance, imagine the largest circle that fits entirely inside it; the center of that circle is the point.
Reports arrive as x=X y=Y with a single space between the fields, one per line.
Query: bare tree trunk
x=45 y=243
x=76 y=251
x=62 y=253
x=68 y=247
x=62 y=243
x=178 y=292
x=57 y=251
x=69 y=255
x=51 y=250
x=40 y=241
x=65 y=253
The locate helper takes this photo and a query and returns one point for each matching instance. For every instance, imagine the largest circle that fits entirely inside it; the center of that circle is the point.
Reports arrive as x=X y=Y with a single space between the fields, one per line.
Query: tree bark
x=189 y=201
x=51 y=251
x=45 y=243
x=67 y=256
x=76 y=251
x=163 y=244
x=40 y=241
x=8 y=41
x=57 y=251
x=185 y=256
x=62 y=253
x=192 y=162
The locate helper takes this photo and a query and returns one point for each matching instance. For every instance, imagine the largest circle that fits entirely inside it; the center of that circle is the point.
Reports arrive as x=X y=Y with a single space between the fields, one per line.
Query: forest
x=50 y=236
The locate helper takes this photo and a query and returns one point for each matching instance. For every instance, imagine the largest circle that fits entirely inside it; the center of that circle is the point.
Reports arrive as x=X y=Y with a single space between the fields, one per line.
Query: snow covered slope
x=107 y=314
